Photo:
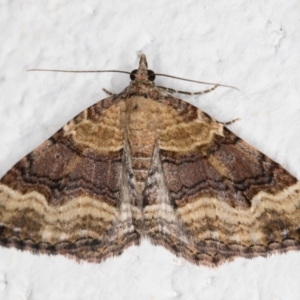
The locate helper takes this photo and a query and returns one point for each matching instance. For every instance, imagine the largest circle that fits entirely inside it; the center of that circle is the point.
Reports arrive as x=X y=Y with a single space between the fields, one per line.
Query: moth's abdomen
x=141 y=134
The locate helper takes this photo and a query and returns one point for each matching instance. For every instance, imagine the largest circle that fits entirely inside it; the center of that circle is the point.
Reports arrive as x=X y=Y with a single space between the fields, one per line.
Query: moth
x=144 y=164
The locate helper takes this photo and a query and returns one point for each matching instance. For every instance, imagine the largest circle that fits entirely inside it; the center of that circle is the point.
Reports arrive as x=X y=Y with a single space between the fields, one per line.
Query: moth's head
x=142 y=73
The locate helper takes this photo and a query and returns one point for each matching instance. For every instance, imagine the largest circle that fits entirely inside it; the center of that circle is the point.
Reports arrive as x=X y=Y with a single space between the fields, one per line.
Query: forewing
x=72 y=194
x=216 y=196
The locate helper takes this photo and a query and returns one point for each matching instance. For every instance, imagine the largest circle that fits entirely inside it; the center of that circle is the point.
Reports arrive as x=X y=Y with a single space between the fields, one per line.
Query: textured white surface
x=253 y=45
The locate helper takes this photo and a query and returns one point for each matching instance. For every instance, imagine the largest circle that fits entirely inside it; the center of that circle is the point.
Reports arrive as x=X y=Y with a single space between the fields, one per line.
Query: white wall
x=253 y=45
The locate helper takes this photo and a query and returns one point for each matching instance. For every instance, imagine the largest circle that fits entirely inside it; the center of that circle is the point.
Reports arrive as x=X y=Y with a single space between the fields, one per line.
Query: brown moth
x=143 y=164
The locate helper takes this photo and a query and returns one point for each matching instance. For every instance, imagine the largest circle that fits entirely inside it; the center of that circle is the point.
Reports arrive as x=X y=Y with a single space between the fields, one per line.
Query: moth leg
x=172 y=91
x=108 y=92
x=230 y=122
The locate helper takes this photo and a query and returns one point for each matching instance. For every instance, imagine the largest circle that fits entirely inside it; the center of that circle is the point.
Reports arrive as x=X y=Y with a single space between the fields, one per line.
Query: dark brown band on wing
x=231 y=171
x=61 y=170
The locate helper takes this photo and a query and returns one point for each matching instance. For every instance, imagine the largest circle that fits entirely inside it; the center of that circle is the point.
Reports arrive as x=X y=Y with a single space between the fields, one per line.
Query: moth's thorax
x=140 y=87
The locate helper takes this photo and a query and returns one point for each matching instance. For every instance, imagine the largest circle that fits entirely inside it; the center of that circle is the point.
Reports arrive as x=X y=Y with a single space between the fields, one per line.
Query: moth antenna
x=196 y=81
x=125 y=72
x=78 y=71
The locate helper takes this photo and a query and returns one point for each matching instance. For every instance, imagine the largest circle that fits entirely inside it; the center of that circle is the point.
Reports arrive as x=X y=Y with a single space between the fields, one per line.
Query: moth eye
x=151 y=75
x=132 y=74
